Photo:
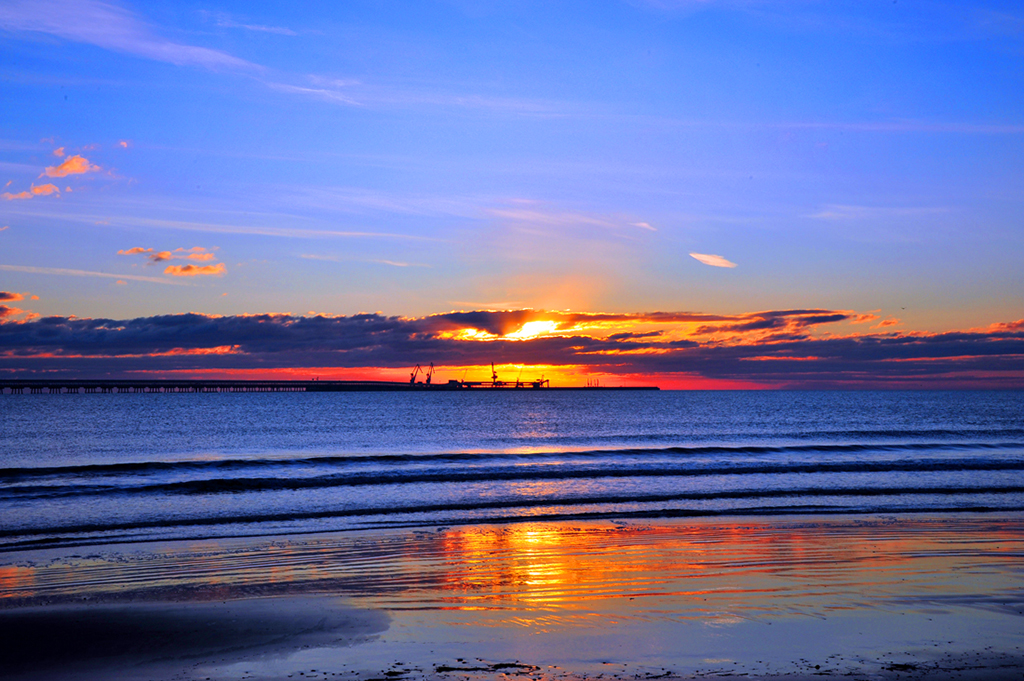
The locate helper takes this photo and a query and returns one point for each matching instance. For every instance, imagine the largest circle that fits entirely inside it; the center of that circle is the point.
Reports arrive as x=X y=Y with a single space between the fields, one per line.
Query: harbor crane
x=495 y=383
x=415 y=372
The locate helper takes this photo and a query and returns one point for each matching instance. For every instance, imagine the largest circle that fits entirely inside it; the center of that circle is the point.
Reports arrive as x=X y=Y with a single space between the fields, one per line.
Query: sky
x=687 y=193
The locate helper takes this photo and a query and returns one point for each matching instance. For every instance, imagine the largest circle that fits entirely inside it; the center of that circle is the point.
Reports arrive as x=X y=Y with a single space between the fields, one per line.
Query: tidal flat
x=850 y=596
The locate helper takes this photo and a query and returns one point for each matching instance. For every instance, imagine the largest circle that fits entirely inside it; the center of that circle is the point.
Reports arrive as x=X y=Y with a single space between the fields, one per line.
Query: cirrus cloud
x=109 y=27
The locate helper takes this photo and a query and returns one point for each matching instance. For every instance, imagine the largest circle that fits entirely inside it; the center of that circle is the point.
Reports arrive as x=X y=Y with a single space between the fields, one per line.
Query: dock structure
x=51 y=386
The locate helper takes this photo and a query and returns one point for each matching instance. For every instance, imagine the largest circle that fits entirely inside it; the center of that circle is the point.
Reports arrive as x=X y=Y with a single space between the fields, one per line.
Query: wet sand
x=899 y=598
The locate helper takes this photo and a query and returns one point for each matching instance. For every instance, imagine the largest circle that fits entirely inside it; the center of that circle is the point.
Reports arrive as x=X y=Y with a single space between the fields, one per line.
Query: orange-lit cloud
x=7 y=311
x=1008 y=326
x=4 y=227
x=195 y=270
x=41 y=190
x=774 y=348
x=10 y=296
x=892 y=321
x=197 y=253
x=862 y=318
x=124 y=143
x=58 y=152
x=45 y=190
x=72 y=165
x=121 y=281
x=713 y=260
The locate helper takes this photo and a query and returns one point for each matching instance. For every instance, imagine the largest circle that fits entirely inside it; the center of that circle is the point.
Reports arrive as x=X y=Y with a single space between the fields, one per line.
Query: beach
x=848 y=596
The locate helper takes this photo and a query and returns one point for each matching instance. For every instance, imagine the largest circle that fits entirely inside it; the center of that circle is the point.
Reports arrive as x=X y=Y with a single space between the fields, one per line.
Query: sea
x=79 y=470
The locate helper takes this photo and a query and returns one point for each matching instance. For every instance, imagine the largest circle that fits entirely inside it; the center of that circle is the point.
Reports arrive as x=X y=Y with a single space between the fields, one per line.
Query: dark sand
x=856 y=598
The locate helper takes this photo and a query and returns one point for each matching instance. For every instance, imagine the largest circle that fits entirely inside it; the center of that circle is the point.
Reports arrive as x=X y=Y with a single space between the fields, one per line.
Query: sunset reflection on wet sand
x=685 y=598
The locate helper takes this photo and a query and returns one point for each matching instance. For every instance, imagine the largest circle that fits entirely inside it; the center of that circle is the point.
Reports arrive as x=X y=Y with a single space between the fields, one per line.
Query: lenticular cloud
x=713 y=260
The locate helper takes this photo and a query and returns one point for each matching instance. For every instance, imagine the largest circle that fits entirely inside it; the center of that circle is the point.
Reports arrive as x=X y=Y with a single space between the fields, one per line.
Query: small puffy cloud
x=42 y=190
x=886 y=322
x=7 y=311
x=135 y=251
x=197 y=253
x=191 y=270
x=8 y=184
x=713 y=260
x=58 y=152
x=124 y=143
x=72 y=165
x=10 y=296
x=861 y=318
x=121 y=282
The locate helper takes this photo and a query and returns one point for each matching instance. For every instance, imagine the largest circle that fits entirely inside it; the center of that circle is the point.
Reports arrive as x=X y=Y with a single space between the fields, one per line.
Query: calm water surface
x=82 y=469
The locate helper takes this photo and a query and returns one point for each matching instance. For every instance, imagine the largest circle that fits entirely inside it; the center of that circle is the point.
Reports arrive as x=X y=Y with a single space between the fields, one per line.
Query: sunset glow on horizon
x=694 y=195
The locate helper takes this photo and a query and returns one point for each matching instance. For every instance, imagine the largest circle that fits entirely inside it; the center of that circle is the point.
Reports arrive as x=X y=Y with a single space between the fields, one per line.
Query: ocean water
x=97 y=469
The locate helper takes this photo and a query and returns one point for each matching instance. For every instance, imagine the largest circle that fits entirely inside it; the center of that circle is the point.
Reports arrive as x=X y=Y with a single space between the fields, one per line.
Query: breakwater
x=47 y=386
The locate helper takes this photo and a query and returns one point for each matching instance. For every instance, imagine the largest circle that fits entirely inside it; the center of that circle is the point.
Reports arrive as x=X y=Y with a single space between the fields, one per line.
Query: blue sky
x=423 y=157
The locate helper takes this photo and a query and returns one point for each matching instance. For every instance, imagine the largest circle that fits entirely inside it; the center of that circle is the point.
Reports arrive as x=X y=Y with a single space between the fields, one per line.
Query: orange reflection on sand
x=16 y=581
x=546 y=564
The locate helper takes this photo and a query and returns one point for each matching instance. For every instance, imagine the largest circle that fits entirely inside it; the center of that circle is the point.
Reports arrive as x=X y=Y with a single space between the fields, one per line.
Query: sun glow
x=533 y=330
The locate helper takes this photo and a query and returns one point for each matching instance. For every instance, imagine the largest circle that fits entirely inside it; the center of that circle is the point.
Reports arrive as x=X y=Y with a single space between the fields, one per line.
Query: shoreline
x=881 y=597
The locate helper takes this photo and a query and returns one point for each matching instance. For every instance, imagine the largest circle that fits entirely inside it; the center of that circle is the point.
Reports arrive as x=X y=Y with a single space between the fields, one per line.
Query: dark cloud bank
x=772 y=348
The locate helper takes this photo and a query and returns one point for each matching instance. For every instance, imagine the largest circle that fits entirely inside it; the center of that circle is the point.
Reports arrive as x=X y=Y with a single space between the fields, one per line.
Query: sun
x=533 y=330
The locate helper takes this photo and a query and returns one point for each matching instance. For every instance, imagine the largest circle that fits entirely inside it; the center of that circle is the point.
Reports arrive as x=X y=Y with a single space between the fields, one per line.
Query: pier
x=50 y=386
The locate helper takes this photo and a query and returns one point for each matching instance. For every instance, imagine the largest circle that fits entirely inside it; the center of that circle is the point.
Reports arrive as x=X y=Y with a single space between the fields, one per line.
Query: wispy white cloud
x=225 y=21
x=138 y=220
x=839 y=212
x=474 y=305
x=288 y=232
x=330 y=95
x=333 y=258
x=396 y=263
x=550 y=218
x=955 y=127
x=351 y=92
x=84 y=273
x=109 y=27
x=713 y=260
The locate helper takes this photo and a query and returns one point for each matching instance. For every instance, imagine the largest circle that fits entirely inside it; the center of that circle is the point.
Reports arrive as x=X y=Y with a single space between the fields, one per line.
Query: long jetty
x=50 y=386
